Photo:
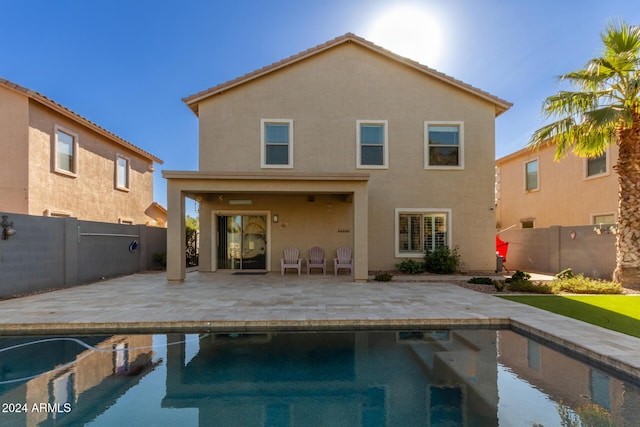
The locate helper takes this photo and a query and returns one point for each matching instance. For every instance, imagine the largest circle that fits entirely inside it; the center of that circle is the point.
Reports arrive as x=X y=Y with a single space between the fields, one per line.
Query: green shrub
x=499 y=285
x=160 y=260
x=565 y=274
x=442 y=260
x=524 y=285
x=584 y=285
x=383 y=276
x=481 y=280
x=410 y=266
x=518 y=276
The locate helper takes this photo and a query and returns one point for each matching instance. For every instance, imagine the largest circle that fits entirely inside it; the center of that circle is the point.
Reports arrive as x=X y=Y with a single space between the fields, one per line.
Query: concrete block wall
x=49 y=253
x=553 y=249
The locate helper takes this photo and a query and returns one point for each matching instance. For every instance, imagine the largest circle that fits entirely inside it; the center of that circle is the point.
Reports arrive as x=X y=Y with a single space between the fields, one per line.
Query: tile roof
x=78 y=118
x=193 y=100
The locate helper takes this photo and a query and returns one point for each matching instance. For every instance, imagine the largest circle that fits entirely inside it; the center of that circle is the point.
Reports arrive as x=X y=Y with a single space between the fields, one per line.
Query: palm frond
x=557 y=133
x=602 y=68
x=606 y=97
x=620 y=37
x=590 y=140
x=570 y=103
x=604 y=117
x=633 y=88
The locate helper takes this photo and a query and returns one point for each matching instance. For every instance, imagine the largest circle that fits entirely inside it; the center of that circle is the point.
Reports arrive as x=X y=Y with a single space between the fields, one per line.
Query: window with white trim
x=444 y=145
x=596 y=166
x=372 y=144
x=66 y=151
x=122 y=172
x=276 y=140
x=419 y=230
x=607 y=218
x=531 y=175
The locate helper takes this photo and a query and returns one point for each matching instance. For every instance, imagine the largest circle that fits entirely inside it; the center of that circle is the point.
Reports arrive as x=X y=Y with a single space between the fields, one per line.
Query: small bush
x=410 y=266
x=442 y=260
x=584 y=285
x=481 y=280
x=383 y=276
x=528 y=286
x=565 y=274
x=518 y=276
x=160 y=260
x=499 y=285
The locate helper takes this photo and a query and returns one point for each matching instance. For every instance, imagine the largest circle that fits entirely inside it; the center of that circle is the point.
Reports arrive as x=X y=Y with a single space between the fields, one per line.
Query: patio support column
x=206 y=237
x=176 y=241
x=361 y=233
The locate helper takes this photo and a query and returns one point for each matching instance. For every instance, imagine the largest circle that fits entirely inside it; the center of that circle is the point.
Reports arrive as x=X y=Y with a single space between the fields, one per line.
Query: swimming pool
x=376 y=378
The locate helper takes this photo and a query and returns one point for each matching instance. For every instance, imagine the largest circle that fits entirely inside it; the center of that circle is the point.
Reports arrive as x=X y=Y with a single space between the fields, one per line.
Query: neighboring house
x=534 y=190
x=54 y=162
x=345 y=144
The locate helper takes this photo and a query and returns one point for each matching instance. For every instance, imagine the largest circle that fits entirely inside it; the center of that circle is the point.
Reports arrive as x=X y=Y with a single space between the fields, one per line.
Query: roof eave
x=78 y=118
x=192 y=101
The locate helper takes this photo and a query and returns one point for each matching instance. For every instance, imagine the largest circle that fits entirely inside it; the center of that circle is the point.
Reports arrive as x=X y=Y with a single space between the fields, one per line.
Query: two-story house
x=535 y=190
x=345 y=144
x=54 y=162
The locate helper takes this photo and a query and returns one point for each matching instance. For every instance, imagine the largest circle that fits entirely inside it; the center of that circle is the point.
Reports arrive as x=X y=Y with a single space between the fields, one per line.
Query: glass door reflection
x=242 y=241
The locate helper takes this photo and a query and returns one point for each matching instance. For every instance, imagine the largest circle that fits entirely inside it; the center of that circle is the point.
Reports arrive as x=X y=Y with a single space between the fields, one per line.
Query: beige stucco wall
x=324 y=96
x=268 y=193
x=14 y=179
x=93 y=372
x=91 y=195
x=325 y=221
x=564 y=197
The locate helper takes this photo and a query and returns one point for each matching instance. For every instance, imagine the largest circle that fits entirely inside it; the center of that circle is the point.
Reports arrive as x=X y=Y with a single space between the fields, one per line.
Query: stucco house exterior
x=55 y=162
x=533 y=190
x=345 y=144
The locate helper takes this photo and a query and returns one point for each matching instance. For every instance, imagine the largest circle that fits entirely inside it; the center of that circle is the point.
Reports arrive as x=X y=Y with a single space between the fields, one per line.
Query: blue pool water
x=417 y=378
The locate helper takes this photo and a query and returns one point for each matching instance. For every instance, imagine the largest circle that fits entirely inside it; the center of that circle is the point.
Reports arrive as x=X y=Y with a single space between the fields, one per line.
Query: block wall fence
x=51 y=253
x=553 y=249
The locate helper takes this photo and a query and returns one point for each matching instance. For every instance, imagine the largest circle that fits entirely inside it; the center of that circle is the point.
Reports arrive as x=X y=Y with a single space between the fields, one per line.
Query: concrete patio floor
x=147 y=303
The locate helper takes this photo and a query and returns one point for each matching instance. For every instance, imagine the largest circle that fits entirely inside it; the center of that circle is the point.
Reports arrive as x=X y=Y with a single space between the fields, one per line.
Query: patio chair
x=290 y=260
x=316 y=259
x=343 y=260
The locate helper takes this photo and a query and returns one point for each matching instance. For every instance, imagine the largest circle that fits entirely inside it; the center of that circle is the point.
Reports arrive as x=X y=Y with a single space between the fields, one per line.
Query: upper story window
x=531 y=175
x=527 y=223
x=607 y=218
x=66 y=152
x=372 y=144
x=276 y=143
x=596 y=166
x=444 y=145
x=122 y=172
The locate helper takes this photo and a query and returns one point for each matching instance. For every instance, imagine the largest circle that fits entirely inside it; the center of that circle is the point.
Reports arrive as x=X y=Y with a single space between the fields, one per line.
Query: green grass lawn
x=617 y=312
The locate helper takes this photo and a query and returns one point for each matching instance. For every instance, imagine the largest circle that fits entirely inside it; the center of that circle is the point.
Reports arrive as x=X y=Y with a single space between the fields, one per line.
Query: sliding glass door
x=242 y=242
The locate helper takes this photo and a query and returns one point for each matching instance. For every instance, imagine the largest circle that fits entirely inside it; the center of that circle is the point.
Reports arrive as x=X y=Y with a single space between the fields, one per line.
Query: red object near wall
x=502 y=248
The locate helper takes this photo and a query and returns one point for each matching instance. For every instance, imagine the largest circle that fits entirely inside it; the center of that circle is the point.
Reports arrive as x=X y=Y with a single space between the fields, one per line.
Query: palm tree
x=605 y=109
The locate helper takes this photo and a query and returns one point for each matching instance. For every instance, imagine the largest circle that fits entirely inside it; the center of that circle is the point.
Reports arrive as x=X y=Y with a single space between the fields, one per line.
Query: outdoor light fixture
x=573 y=235
x=7 y=227
x=276 y=218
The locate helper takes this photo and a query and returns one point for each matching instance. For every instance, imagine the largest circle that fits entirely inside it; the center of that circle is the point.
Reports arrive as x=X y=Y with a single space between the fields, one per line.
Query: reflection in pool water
x=435 y=378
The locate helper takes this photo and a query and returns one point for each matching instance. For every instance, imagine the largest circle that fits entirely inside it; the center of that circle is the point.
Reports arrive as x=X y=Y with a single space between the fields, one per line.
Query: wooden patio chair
x=343 y=260
x=290 y=260
x=316 y=259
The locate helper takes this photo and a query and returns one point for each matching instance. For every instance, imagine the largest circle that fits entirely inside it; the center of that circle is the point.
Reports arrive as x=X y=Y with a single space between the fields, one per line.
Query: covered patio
x=247 y=219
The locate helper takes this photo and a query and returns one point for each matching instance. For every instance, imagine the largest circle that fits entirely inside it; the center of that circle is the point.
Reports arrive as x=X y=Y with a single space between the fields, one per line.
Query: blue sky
x=127 y=64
